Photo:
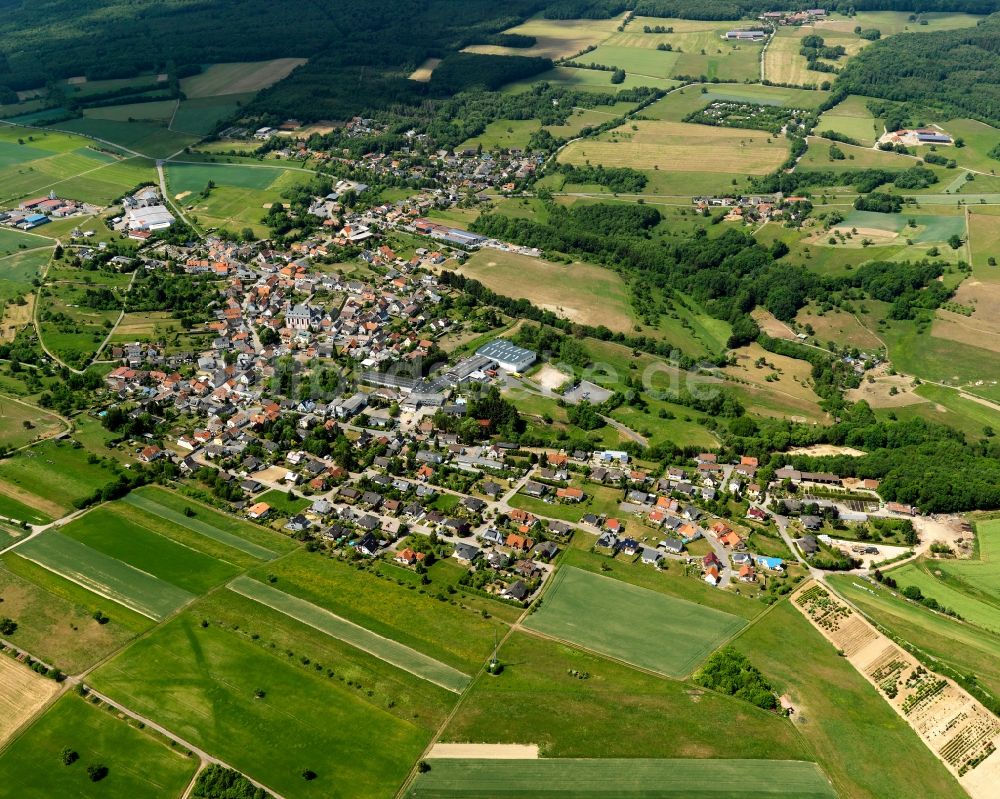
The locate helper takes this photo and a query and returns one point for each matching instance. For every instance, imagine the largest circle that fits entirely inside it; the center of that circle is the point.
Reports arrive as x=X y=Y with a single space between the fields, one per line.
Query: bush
x=97 y=772
x=730 y=672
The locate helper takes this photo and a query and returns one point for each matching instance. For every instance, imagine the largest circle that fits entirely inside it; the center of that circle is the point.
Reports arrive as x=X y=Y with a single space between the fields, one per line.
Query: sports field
x=671 y=146
x=238 y=78
x=642 y=627
x=263 y=711
x=139 y=764
x=226 y=530
x=620 y=779
x=104 y=575
x=580 y=292
x=383 y=648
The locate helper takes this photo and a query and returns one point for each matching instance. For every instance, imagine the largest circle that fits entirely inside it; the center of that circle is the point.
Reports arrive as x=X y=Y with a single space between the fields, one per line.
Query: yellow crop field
x=22 y=694
x=555 y=38
x=678 y=146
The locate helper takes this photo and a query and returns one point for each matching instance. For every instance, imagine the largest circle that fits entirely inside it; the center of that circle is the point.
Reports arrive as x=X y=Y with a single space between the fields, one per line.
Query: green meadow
x=139 y=763
x=634 y=624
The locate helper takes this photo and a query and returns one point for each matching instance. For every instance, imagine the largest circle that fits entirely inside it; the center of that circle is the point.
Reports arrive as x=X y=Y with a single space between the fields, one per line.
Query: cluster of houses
x=794 y=18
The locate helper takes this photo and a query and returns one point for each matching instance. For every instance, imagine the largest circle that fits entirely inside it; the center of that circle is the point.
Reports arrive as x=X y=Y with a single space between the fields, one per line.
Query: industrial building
x=508 y=357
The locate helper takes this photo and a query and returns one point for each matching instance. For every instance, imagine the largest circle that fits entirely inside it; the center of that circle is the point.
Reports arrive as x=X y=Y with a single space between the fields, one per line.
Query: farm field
x=616 y=711
x=555 y=38
x=200 y=682
x=631 y=623
x=61 y=468
x=456 y=635
x=789 y=396
x=948 y=583
x=892 y=22
x=664 y=145
x=588 y=80
x=698 y=50
x=840 y=717
x=200 y=115
x=138 y=763
x=580 y=292
x=963 y=647
x=104 y=575
x=238 y=78
x=157 y=112
x=149 y=139
x=383 y=648
x=504 y=134
x=134 y=538
x=14 y=241
x=58 y=629
x=22 y=694
x=852 y=118
x=670 y=581
x=620 y=779
x=818 y=157
x=21 y=424
x=18 y=270
x=226 y=530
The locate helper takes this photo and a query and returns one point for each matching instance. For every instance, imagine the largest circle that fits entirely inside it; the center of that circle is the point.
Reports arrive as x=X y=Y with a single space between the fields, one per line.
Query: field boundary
x=385 y=649
x=195 y=525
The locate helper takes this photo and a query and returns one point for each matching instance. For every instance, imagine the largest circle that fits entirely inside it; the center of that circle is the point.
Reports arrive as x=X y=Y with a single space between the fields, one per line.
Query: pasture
x=782 y=388
x=226 y=530
x=138 y=762
x=133 y=537
x=852 y=118
x=648 y=629
x=390 y=651
x=18 y=270
x=784 y=64
x=457 y=635
x=965 y=587
x=219 y=689
x=239 y=78
x=620 y=779
x=504 y=134
x=104 y=575
x=22 y=694
x=61 y=468
x=581 y=292
x=675 y=146
x=555 y=38
x=840 y=718
x=14 y=241
x=60 y=629
x=615 y=711
x=21 y=423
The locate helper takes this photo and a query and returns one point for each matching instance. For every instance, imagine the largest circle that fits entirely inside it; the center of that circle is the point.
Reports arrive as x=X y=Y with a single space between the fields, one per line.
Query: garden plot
x=953 y=725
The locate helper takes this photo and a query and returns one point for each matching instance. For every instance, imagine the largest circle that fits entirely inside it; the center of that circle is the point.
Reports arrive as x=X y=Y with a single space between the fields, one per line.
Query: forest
x=957 y=71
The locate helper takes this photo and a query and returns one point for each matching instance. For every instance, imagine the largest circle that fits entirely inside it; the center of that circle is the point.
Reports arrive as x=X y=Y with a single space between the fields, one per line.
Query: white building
x=508 y=357
x=151 y=217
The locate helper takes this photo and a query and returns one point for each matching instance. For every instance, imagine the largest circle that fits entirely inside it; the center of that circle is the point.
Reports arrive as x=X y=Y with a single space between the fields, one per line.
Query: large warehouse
x=509 y=357
x=151 y=217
